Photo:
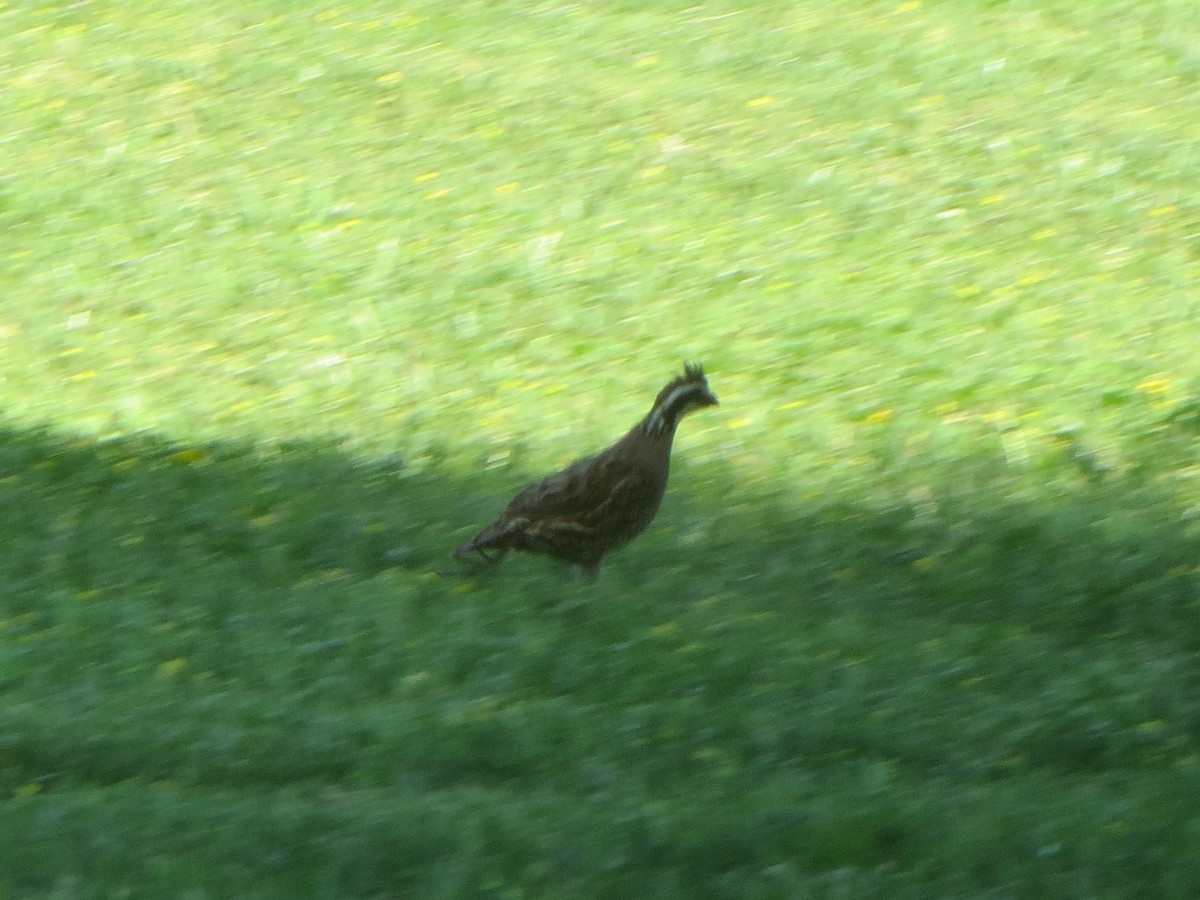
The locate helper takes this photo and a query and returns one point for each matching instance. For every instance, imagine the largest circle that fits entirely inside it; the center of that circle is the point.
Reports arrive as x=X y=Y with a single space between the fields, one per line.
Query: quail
x=601 y=502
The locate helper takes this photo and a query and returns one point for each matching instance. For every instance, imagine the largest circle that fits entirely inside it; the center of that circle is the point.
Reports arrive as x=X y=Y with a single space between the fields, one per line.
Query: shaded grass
x=217 y=655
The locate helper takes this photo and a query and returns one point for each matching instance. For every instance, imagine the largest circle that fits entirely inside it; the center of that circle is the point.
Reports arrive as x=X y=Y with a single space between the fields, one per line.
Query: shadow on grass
x=248 y=659
x=261 y=518
x=973 y=543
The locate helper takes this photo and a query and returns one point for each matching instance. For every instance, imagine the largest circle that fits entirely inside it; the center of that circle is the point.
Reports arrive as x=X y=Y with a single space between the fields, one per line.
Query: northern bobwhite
x=602 y=502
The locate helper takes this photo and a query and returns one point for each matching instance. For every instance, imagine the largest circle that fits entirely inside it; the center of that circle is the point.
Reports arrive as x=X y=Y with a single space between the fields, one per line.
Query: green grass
x=291 y=302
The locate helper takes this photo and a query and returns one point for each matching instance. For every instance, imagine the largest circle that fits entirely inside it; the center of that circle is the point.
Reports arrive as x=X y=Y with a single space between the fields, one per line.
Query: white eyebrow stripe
x=657 y=421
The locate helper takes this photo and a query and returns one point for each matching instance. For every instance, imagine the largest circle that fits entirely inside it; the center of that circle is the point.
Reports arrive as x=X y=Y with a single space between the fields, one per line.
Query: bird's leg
x=588 y=572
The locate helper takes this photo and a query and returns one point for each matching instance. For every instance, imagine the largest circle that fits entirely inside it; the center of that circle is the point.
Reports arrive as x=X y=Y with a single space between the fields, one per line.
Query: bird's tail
x=491 y=544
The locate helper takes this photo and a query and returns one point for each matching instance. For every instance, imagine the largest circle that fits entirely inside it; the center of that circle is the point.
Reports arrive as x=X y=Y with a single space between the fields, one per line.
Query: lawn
x=291 y=302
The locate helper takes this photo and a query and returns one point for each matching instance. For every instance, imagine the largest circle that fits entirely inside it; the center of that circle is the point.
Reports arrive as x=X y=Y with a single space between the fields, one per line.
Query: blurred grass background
x=292 y=300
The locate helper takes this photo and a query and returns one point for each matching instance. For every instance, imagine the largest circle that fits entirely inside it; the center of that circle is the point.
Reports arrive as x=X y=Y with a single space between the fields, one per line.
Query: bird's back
x=594 y=505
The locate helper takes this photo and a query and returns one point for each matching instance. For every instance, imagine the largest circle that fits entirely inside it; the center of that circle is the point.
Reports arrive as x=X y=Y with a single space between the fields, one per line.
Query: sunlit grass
x=293 y=299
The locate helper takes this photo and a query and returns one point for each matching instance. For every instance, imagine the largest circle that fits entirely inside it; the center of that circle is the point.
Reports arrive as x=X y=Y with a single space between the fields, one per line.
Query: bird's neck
x=658 y=425
x=664 y=417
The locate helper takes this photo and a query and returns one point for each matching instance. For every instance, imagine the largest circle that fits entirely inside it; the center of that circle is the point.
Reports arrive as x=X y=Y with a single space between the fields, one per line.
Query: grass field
x=292 y=302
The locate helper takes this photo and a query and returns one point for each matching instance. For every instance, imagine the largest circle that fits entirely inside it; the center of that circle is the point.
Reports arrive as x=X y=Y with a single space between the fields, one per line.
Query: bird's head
x=683 y=394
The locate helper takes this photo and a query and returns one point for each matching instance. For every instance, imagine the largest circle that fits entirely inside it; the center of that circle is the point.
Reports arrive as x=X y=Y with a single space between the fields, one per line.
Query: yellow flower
x=171 y=668
x=1153 y=386
x=191 y=456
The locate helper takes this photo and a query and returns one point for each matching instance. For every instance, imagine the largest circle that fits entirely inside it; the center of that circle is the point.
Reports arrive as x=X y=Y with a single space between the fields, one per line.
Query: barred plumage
x=602 y=502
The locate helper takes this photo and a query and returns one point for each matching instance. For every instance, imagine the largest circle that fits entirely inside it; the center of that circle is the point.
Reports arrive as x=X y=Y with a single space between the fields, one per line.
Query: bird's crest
x=693 y=374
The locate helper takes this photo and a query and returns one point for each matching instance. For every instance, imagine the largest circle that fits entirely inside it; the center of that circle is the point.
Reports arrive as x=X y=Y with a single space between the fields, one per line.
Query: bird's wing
x=585 y=491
